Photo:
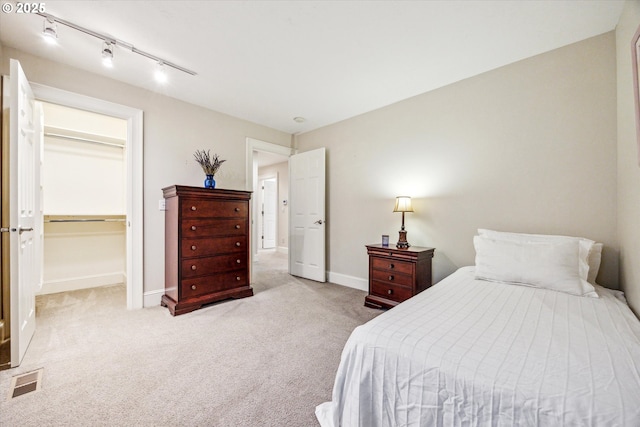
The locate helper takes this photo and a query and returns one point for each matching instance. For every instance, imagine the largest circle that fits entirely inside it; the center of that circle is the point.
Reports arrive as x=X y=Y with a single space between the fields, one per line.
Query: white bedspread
x=475 y=353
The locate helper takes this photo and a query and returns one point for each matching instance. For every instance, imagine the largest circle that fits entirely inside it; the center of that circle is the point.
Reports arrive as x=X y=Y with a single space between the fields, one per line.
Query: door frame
x=252 y=185
x=134 y=186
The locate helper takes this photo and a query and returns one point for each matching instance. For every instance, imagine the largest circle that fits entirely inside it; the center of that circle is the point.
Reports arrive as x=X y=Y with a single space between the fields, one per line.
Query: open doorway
x=266 y=161
x=84 y=186
x=272 y=205
x=134 y=177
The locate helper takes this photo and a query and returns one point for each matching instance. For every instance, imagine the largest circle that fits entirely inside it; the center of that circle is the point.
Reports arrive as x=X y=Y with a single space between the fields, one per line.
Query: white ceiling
x=271 y=61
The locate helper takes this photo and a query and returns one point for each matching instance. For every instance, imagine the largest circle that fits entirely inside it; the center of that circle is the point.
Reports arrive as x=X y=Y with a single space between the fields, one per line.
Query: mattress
x=470 y=352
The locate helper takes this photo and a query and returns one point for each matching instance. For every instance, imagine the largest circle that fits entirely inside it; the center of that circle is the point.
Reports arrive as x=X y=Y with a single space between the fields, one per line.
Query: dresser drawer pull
x=238 y=261
x=193 y=247
x=391 y=277
x=238 y=278
x=237 y=209
x=193 y=287
x=390 y=291
x=238 y=244
x=193 y=227
x=193 y=208
x=237 y=226
x=193 y=267
x=392 y=266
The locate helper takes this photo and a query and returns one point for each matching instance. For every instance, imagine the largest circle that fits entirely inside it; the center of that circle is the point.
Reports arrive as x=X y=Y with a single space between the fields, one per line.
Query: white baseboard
x=152 y=298
x=348 y=281
x=82 y=282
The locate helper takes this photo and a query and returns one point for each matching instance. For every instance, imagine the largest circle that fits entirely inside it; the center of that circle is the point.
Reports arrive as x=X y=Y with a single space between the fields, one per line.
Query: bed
x=518 y=349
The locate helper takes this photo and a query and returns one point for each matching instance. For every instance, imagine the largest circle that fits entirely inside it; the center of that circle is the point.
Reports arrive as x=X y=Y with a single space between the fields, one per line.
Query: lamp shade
x=403 y=204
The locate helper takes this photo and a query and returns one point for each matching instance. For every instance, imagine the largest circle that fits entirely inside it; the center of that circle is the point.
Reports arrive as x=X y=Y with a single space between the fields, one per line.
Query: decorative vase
x=209 y=182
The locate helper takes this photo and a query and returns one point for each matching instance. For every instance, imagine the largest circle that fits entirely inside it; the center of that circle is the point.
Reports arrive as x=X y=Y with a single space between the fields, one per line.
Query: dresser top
x=184 y=190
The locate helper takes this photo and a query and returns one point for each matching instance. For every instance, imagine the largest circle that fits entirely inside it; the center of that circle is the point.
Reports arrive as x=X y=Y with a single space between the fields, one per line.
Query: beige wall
x=173 y=130
x=628 y=167
x=528 y=147
x=282 y=171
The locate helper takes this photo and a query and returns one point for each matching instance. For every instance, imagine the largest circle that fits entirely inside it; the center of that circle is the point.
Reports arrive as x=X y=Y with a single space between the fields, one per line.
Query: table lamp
x=403 y=204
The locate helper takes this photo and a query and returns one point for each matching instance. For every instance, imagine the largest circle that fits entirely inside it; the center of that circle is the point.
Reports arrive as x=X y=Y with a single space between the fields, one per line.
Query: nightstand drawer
x=389 y=264
x=392 y=277
x=390 y=291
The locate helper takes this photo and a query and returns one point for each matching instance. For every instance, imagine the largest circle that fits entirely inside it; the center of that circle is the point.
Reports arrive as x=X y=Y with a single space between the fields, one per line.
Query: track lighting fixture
x=49 y=31
x=161 y=73
x=110 y=43
x=107 y=54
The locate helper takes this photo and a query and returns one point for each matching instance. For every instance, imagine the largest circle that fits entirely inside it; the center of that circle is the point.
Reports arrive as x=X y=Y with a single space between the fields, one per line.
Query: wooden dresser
x=396 y=275
x=206 y=247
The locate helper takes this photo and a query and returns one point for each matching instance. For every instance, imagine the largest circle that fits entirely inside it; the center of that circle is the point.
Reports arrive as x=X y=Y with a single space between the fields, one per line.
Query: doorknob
x=318 y=222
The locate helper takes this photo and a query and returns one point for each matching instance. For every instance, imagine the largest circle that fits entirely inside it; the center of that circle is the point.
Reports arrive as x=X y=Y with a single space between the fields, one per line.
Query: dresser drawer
x=204 y=227
x=214 y=283
x=193 y=267
x=198 y=208
x=217 y=246
x=390 y=291
x=388 y=264
x=392 y=277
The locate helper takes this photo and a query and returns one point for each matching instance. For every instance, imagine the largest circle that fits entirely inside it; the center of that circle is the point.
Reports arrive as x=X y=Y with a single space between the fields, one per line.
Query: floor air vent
x=25 y=383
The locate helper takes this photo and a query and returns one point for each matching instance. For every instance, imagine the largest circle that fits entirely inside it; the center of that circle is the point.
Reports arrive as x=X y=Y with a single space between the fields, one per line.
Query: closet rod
x=87 y=220
x=77 y=138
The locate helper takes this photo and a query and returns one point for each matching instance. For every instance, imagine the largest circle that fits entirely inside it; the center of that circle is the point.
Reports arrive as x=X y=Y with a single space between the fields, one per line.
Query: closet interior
x=84 y=186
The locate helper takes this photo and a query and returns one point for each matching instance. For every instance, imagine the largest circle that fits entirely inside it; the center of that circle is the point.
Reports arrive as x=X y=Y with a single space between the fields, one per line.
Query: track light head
x=107 y=54
x=161 y=73
x=49 y=31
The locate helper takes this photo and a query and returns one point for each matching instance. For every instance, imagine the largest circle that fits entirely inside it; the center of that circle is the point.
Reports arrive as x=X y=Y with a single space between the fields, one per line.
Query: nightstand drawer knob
x=238 y=261
x=237 y=209
x=238 y=278
x=193 y=208
x=193 y=267
x=390 y=277
x=237 y=226
x=193 y=227
x=392 y=266
x=193 y=247
x=238 y=244
x=390 y=291
x=193 y=287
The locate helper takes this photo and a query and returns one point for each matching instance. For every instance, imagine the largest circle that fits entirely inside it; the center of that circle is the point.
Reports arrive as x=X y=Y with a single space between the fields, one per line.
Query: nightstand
x=396 y=275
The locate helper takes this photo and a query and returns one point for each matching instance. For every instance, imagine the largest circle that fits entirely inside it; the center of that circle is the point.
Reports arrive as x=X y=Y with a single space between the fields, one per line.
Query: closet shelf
x=93 y=218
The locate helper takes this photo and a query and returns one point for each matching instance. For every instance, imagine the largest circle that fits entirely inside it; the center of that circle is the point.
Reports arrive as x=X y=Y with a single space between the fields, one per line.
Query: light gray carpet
x=267 y=360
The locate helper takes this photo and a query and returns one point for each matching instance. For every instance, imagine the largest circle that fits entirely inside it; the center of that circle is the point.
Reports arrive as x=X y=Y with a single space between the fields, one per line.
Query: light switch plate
x=162 y=204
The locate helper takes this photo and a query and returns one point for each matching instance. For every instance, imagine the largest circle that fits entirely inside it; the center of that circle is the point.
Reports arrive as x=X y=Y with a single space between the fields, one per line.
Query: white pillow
x=591 y=250
x=554 y=265
x=595 y=257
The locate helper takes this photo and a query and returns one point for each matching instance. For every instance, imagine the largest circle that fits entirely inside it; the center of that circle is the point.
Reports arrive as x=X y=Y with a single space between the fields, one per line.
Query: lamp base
x=402 y=240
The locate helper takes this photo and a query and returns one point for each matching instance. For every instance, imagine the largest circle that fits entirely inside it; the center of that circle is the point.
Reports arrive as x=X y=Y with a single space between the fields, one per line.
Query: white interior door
x=307 y=215
x=269 y=208
x=25 y=137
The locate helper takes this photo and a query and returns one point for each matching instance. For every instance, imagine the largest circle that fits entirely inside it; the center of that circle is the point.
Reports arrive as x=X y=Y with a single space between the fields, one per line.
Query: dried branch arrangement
x=210 y=165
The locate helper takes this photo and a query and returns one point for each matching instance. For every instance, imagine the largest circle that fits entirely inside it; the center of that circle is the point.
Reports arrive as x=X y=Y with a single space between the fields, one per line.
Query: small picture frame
x=385 y=240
